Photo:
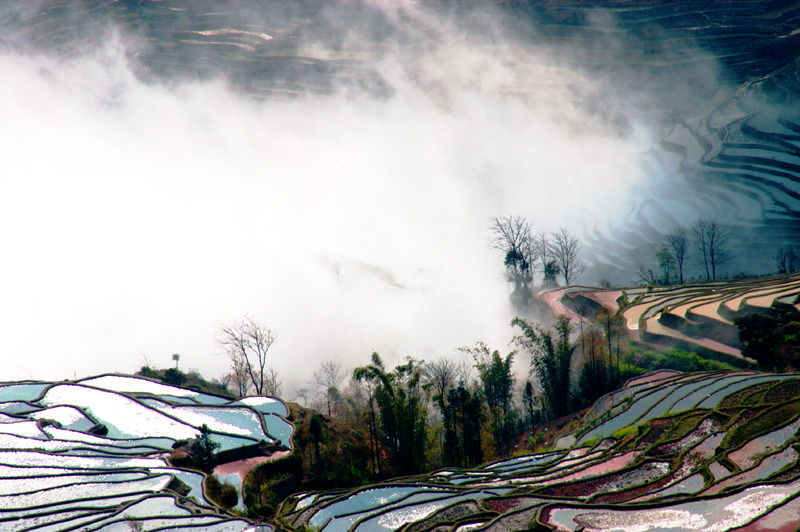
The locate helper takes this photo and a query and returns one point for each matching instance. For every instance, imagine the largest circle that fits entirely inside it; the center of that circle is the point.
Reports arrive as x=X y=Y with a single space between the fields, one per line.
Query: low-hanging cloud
x=138 y=215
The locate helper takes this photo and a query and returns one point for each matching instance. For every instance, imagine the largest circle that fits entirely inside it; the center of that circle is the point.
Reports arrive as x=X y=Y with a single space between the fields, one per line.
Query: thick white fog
x=138 y=216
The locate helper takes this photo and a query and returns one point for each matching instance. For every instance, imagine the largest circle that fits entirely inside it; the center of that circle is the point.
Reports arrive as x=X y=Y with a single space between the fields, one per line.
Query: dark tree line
x=463 y=417
x=484 y=418
x=773 y=341
x=479 y=418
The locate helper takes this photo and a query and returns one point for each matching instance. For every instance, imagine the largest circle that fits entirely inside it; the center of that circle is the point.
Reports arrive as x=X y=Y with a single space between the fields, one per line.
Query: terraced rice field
x=669 y=451
x=693 y=451
x=93 y=454
x=697 y=317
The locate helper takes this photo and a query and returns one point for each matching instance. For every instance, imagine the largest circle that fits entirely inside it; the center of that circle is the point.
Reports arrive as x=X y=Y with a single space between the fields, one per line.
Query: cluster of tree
x=442 y=413
x=480 y=418
x=572 y=375
x=709 y=238
x=400 y=402
x=773 y=341
x=453 y=411
x=421 y=415
x=527 y=253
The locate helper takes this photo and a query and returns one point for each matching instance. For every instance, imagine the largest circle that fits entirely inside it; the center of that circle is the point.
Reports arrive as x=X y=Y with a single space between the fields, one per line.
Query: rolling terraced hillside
x=717 y=82
x=96 y=454
x=669 y=451
x=696 y=317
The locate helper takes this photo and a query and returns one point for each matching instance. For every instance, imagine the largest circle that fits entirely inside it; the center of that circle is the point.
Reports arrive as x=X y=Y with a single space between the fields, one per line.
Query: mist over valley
x=333 y=168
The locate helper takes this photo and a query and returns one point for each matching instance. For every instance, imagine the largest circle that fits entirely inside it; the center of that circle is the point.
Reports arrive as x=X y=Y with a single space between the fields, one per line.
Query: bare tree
x=543 y=251
x=328 y=378
x=513 y=237
x=541 y=246
x=273 y=384
x=644 y=275
x=565 y=249
x=465 y=370
x=247 y=343
x=678 y=243
x=711 y=240
x=302 y=393
x=440 y=374
x=146 y=362
x=238 y=377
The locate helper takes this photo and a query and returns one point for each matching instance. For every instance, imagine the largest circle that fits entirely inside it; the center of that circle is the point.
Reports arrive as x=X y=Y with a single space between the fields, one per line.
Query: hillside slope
x=126 y=453
x=668 y=451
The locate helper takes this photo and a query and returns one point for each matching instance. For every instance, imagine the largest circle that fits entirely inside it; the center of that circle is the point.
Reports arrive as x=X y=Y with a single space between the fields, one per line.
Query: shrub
x=228 y=496
x=174 y=377
x=204 y=449
x=147 y=371
x=222 y=494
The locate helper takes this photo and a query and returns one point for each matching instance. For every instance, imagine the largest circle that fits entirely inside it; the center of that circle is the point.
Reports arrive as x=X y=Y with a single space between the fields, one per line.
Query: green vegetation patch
x=222 y=494
x=659 y=429
x=682 y=425
x=770 y=419
x=271 y=482
x=675 y=359
x=751 y=395
x=783 y=391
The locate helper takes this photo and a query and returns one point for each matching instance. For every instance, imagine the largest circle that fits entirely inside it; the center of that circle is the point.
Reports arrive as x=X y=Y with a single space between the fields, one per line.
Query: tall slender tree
x=678 y=243
x=551 y=360
x=565 y=251
x=711 y=240
x=403 y=411
x=498 y=385
x=327 y=379
x=440 y=376
x=612 y=323
x=529 y=403
x=467 y=415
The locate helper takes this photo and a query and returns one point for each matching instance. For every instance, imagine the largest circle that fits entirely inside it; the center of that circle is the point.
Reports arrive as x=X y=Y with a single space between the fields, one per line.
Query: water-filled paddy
x=93 y=454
